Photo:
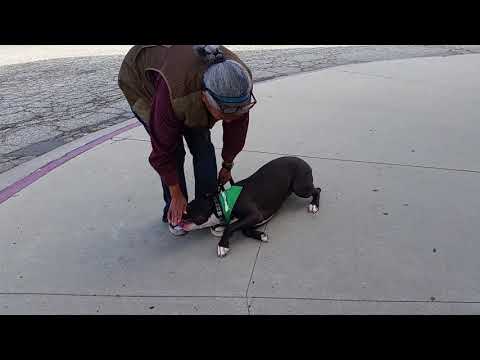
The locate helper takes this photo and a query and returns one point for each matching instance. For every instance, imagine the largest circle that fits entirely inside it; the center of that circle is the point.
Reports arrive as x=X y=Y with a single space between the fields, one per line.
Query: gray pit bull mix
x=261 y=197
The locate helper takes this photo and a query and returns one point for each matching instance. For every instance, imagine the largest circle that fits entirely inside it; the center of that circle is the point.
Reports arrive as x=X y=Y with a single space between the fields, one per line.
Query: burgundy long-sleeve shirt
x=166 y=134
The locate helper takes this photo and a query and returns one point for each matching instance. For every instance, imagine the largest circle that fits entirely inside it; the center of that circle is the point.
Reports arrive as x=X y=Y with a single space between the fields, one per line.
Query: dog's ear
x=191 y=206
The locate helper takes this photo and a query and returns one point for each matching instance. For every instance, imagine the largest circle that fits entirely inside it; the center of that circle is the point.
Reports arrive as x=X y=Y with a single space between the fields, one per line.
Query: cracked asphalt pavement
x=48 y=103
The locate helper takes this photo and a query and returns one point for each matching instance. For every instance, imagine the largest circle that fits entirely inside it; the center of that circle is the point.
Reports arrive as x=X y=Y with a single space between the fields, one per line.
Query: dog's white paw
x=313 y=208
x=264 y=237
x=221 y=251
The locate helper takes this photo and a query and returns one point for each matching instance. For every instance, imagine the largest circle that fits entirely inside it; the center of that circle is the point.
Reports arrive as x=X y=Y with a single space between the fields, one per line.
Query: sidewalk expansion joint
x=365 y=300
x=122 y=296
x=363 y=161
x=251 y=276
x=238 y=297
x=253 y=270
x=338 y=159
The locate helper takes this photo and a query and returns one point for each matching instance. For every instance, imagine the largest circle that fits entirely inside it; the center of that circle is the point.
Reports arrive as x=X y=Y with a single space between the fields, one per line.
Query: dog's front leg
x=243 y=223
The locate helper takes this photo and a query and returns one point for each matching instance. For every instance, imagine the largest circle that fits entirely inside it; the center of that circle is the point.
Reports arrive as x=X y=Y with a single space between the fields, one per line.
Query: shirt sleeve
x=234 y=135
x=165 y=134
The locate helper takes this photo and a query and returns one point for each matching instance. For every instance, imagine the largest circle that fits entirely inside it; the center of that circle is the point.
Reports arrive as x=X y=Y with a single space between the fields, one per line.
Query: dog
x=262 y=194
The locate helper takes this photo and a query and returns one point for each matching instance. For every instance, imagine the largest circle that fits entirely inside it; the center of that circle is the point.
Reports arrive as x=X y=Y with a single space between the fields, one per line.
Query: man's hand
x=178 y=205
x=224 y=176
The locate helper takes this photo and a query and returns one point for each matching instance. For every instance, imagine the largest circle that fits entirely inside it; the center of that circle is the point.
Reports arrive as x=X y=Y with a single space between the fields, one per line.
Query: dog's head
x=200 y=214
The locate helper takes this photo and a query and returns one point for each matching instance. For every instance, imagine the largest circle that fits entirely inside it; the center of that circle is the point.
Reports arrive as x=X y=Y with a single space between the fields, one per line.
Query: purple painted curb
x=21 y=184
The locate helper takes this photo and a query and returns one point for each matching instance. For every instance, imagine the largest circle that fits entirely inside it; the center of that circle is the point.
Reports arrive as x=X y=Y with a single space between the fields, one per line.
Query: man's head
x=227 y=86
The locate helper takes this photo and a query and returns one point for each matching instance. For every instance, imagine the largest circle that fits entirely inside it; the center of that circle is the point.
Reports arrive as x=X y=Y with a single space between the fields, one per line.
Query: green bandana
x=227 y=199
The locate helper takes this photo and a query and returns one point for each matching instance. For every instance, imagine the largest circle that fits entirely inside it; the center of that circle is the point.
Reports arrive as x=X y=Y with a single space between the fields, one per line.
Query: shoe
x=176 y=230
x=217 y=230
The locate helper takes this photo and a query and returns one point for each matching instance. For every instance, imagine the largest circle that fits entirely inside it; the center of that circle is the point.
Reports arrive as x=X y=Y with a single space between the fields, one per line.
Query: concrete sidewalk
x=394 y=148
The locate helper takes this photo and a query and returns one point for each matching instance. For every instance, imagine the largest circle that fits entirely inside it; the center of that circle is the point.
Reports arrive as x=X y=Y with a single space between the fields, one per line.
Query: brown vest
x=181 y=69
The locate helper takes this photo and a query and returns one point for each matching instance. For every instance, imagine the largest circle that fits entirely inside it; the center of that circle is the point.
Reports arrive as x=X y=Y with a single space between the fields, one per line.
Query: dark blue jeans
x=204 y=163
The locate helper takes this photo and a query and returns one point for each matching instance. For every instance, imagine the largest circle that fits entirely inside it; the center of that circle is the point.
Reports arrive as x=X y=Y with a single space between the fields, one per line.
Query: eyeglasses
x=228 y=109
x=232 y=109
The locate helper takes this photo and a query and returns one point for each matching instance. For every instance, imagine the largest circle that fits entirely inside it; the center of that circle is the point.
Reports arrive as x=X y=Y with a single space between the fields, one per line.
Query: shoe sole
x=179 y=232
x=217 y=231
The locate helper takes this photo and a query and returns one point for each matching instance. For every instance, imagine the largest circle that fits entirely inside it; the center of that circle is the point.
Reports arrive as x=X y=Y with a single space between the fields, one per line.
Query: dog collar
x=227 y=200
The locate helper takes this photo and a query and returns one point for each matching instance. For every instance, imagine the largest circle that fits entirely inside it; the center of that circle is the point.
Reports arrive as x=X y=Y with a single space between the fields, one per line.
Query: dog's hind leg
x=255 y=234
x=304 y=188
x=247 y=222
x=315 y=204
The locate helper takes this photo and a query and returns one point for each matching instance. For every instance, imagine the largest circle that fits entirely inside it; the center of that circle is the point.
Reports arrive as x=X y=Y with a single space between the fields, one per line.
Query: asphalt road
x=45 y=104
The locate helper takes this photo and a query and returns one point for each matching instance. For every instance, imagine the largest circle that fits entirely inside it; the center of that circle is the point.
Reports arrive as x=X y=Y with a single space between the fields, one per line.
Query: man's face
x=217 y=114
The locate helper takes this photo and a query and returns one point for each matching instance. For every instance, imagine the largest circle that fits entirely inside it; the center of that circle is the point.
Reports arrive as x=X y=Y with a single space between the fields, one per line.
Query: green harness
x=227 y=200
